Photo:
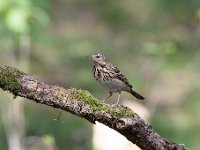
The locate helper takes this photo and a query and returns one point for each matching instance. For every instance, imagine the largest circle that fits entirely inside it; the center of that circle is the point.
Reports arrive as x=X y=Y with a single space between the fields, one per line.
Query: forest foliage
x=154 y=42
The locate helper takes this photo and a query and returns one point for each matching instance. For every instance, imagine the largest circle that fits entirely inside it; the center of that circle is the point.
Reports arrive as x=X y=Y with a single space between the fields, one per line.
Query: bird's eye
x=98 y=55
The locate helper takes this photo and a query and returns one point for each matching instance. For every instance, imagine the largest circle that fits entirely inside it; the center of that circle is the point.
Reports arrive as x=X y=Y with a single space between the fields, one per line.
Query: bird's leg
x=118 y=98
x=110 y=94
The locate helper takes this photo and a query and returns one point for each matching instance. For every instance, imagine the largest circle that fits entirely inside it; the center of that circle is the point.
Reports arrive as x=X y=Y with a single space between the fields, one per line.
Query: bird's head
x=98 y=59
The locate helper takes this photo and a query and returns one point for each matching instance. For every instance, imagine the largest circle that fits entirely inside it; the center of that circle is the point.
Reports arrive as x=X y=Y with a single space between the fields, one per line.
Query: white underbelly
x=114 y=85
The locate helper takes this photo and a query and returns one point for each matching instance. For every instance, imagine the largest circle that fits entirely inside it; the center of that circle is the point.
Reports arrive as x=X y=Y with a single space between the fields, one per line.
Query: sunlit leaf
x=17 y=20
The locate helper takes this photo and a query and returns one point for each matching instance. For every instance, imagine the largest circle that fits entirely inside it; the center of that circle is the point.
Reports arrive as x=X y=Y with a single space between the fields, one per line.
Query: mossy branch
x=83 y=104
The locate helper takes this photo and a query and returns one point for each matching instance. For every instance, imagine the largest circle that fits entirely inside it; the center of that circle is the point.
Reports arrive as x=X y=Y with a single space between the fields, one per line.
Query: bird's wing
x=120 y=76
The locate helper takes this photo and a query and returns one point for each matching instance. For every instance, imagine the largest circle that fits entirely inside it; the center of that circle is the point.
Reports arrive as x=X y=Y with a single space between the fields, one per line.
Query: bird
x=110 y=77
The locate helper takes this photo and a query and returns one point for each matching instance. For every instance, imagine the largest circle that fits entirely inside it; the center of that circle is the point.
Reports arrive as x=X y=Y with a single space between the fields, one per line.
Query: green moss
x=9 y=79
x=97 y=105
x=118 y=111
x=88 y=98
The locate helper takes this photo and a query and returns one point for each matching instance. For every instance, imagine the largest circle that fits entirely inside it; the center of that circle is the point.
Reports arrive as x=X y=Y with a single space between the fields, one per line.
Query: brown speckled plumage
x=111 y=77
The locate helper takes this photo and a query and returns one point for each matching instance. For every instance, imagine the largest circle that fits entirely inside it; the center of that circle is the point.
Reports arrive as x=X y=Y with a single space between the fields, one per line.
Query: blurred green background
x=156 y=43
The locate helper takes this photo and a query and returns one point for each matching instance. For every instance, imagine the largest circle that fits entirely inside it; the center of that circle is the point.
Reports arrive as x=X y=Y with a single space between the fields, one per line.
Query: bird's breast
x=107 y=80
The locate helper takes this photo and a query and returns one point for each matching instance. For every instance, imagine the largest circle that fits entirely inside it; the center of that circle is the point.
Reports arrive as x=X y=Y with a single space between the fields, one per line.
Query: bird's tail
x=137 y=95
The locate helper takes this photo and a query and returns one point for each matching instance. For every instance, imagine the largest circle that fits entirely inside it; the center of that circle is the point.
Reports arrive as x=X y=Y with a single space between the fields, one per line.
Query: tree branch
x=83 y=104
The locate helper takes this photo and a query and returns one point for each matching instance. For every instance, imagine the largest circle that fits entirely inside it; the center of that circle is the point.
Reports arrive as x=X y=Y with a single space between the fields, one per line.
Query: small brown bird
x=111 y=77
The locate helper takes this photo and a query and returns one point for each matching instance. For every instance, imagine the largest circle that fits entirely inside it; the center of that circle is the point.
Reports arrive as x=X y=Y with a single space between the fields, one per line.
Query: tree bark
x=81 y=103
